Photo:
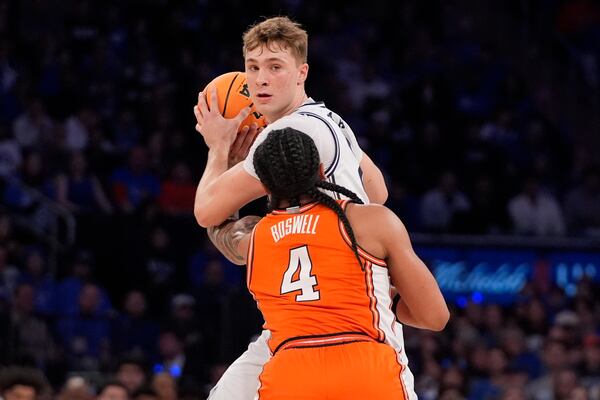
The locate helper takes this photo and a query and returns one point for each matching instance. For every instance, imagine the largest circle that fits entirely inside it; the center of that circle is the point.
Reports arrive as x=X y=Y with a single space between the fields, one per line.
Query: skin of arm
x=379 y=231
x=373 y=181
x=232 y=237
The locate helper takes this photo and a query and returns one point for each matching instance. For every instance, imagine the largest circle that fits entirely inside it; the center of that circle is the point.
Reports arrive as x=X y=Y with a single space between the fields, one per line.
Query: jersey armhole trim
x=336 y=158
x=250 y=259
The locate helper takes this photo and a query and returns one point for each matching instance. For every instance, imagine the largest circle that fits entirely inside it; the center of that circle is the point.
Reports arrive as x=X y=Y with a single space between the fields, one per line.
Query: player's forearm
x=432 y=322
x=228 y=236
x=205 y=206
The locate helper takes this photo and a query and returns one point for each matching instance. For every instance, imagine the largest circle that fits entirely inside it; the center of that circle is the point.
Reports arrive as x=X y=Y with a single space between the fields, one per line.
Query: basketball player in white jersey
x=275 y=53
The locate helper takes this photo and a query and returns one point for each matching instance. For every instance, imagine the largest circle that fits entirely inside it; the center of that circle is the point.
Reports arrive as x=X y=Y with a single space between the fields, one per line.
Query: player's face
x=275 y=80
x=20 y=392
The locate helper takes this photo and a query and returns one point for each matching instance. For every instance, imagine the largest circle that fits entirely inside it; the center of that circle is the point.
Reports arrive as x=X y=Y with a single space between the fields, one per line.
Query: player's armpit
x=232 y=237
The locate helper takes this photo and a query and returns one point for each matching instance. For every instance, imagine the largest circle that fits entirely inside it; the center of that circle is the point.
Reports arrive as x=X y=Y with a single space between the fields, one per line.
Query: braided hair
x=287 y=163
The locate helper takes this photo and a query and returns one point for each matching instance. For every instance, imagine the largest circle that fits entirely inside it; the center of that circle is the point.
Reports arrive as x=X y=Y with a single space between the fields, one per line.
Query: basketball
x=233 y=96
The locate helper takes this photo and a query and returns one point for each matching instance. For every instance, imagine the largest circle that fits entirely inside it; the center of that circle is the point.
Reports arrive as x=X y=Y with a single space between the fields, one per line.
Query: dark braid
x=340 y=189
x=335 y=206
x=287 y=163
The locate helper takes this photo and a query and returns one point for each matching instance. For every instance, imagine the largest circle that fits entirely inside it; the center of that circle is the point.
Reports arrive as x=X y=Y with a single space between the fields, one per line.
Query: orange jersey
x=307 y=281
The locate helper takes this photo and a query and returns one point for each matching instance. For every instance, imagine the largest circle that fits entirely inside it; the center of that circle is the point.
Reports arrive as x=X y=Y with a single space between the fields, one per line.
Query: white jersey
x=338 y=149
x=341 y=155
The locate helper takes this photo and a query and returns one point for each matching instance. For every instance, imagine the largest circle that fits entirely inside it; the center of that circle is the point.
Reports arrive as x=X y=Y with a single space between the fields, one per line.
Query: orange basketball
x=233 y=95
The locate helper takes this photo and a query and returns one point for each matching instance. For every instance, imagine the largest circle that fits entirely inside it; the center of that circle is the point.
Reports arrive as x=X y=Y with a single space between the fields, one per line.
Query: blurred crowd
x=480 y=115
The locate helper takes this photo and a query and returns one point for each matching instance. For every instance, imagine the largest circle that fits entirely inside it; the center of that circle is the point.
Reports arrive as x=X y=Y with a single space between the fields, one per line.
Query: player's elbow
x=380 y=197
x=438 y=320
x=203 y=217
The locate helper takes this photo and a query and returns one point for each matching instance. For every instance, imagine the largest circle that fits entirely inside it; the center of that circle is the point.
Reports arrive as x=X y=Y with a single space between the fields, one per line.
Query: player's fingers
x=202 y=106
x=239 y=139
x=198 y=128
x=249 y=138
x=214 y=100
x=244 y=112
x=198 y=114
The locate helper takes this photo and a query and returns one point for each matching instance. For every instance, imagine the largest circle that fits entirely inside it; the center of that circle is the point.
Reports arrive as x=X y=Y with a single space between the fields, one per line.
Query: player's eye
x=252 y=68
x=275 y=67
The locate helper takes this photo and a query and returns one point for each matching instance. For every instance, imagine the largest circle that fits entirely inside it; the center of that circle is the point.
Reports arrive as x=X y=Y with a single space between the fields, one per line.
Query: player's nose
x=261 y=79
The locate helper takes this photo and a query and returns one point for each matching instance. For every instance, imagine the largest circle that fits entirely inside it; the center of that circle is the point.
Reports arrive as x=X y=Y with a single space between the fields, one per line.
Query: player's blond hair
x=278 y=31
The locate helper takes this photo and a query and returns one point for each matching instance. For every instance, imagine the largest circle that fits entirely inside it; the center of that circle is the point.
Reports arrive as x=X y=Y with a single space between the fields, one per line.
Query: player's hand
x=219 y=133
x=242 y=143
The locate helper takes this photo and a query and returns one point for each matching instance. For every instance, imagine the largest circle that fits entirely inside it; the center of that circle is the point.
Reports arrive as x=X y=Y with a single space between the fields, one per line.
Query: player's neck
x=304 y=199
x=299 y=99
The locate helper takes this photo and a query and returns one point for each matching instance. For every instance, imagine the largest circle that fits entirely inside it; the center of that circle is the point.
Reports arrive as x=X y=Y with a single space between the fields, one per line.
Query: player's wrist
x=219 y=152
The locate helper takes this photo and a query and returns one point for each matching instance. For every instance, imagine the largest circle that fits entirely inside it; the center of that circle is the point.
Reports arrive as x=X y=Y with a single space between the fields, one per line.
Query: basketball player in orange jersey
x=319 y=270
x=275 y=55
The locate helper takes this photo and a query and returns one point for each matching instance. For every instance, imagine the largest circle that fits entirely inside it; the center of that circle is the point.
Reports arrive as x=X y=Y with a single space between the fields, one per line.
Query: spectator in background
x=443 y=206
x=10 y=154
x=521 y=359
x=28 y=336
x=9 y=274
x=184 y=320
x=21 y=383
x=70 y=287
x=178 y=191
x=134 y=185
x=79 y=190
x=85 y=335
x=589 y=370
x=175 y=360
x=165 y=386
x=76 y=388
x=113 y=391
x=131 y=373
x=36 y=275
x=77 y=128
x=133 y=332
x=32 y=174
x=158 y=269
x=33 y=126
x=582 y=206
x=554 y=356
x=534 y=212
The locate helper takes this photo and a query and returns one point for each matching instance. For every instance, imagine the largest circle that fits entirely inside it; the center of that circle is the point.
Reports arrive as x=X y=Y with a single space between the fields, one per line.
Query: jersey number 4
x=305 y=282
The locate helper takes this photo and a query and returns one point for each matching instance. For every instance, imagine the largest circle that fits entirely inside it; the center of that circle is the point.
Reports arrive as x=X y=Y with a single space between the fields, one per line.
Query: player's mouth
x=263 y=97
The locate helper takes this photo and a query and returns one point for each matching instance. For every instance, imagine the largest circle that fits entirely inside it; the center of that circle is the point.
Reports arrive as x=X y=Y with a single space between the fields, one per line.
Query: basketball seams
x=228 y=93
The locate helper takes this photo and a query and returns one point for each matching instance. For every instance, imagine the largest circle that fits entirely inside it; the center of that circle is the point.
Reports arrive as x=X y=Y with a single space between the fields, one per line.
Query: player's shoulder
x=297 y=121
x=373 y=215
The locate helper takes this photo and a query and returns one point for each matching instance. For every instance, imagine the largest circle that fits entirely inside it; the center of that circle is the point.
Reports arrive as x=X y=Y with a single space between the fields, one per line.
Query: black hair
x=13 y=376
x=287 y=163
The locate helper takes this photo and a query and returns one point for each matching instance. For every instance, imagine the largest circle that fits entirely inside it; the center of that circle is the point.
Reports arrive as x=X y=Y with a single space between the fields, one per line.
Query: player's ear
x=321 y=171
x=303 y=74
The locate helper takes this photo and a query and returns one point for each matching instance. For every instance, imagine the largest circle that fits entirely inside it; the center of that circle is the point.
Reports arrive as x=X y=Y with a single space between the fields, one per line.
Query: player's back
x=307 y=280
x=322 y=310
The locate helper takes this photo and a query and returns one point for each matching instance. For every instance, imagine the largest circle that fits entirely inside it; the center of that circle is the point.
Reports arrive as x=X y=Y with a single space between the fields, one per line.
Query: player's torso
x=307 y=280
